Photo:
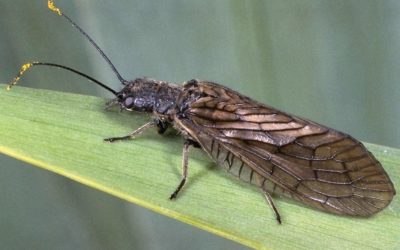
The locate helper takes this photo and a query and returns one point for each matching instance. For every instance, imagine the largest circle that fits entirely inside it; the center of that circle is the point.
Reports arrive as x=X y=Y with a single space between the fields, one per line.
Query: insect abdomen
x=235 y=166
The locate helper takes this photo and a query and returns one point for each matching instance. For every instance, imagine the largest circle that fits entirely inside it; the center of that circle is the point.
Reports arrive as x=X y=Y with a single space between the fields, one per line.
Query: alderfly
x=279 y=153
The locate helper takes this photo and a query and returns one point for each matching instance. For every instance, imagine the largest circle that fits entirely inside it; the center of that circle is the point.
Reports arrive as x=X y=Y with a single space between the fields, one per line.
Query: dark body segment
x=283 y=154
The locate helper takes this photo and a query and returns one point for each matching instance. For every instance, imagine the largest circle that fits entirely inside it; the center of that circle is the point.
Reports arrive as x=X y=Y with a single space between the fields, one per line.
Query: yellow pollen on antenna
x=52 y=7
x=24 y=68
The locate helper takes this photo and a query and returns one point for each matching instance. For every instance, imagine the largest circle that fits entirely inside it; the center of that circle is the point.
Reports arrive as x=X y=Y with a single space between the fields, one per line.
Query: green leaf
x=64 y=133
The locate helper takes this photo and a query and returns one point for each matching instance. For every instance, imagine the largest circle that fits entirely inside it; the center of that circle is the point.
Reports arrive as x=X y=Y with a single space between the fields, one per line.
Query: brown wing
x=319 y=166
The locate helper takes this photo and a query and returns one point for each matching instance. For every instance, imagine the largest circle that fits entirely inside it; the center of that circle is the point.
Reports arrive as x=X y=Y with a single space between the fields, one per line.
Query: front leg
x=132 y=134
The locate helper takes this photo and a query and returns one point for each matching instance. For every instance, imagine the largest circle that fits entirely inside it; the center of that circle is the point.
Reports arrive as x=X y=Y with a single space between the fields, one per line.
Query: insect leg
x=132 y=134
x=162 y=126
x=268 y=198
x=185 y=156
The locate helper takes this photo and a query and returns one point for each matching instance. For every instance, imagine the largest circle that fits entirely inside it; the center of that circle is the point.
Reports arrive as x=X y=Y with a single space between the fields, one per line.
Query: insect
x=278 y=152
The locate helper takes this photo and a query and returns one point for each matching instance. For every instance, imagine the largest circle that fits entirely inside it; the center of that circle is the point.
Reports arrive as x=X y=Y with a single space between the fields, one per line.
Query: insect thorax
x=148 y=95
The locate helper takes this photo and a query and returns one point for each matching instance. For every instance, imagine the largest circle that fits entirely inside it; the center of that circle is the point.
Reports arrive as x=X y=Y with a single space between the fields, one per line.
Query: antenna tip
x=9 y=86
x=24 y=68
x=52 y=7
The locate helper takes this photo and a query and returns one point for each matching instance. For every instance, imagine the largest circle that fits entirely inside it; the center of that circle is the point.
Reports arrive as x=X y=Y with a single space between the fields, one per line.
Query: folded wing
x=319 y=166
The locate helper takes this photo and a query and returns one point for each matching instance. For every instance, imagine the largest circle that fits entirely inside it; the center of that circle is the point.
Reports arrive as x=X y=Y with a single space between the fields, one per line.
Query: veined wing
x=319 y=166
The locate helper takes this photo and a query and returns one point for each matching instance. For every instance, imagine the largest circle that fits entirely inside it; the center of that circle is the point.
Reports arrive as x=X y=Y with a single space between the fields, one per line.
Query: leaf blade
x=63 y=133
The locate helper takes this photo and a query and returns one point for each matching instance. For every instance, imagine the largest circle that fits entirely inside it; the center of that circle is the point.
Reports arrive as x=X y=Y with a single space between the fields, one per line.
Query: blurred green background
x=335 y=62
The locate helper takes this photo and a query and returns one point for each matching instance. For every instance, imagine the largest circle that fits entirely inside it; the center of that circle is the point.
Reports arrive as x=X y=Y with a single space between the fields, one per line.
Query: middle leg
x=185 y=158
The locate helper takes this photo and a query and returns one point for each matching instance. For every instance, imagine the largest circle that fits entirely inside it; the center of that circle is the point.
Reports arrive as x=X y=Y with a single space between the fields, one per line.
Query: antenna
x=26 y=66
x=52 y=7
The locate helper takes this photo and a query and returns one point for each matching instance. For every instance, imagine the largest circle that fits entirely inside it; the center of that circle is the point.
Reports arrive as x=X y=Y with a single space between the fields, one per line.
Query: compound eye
x=139 y=102
x=128 y=102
